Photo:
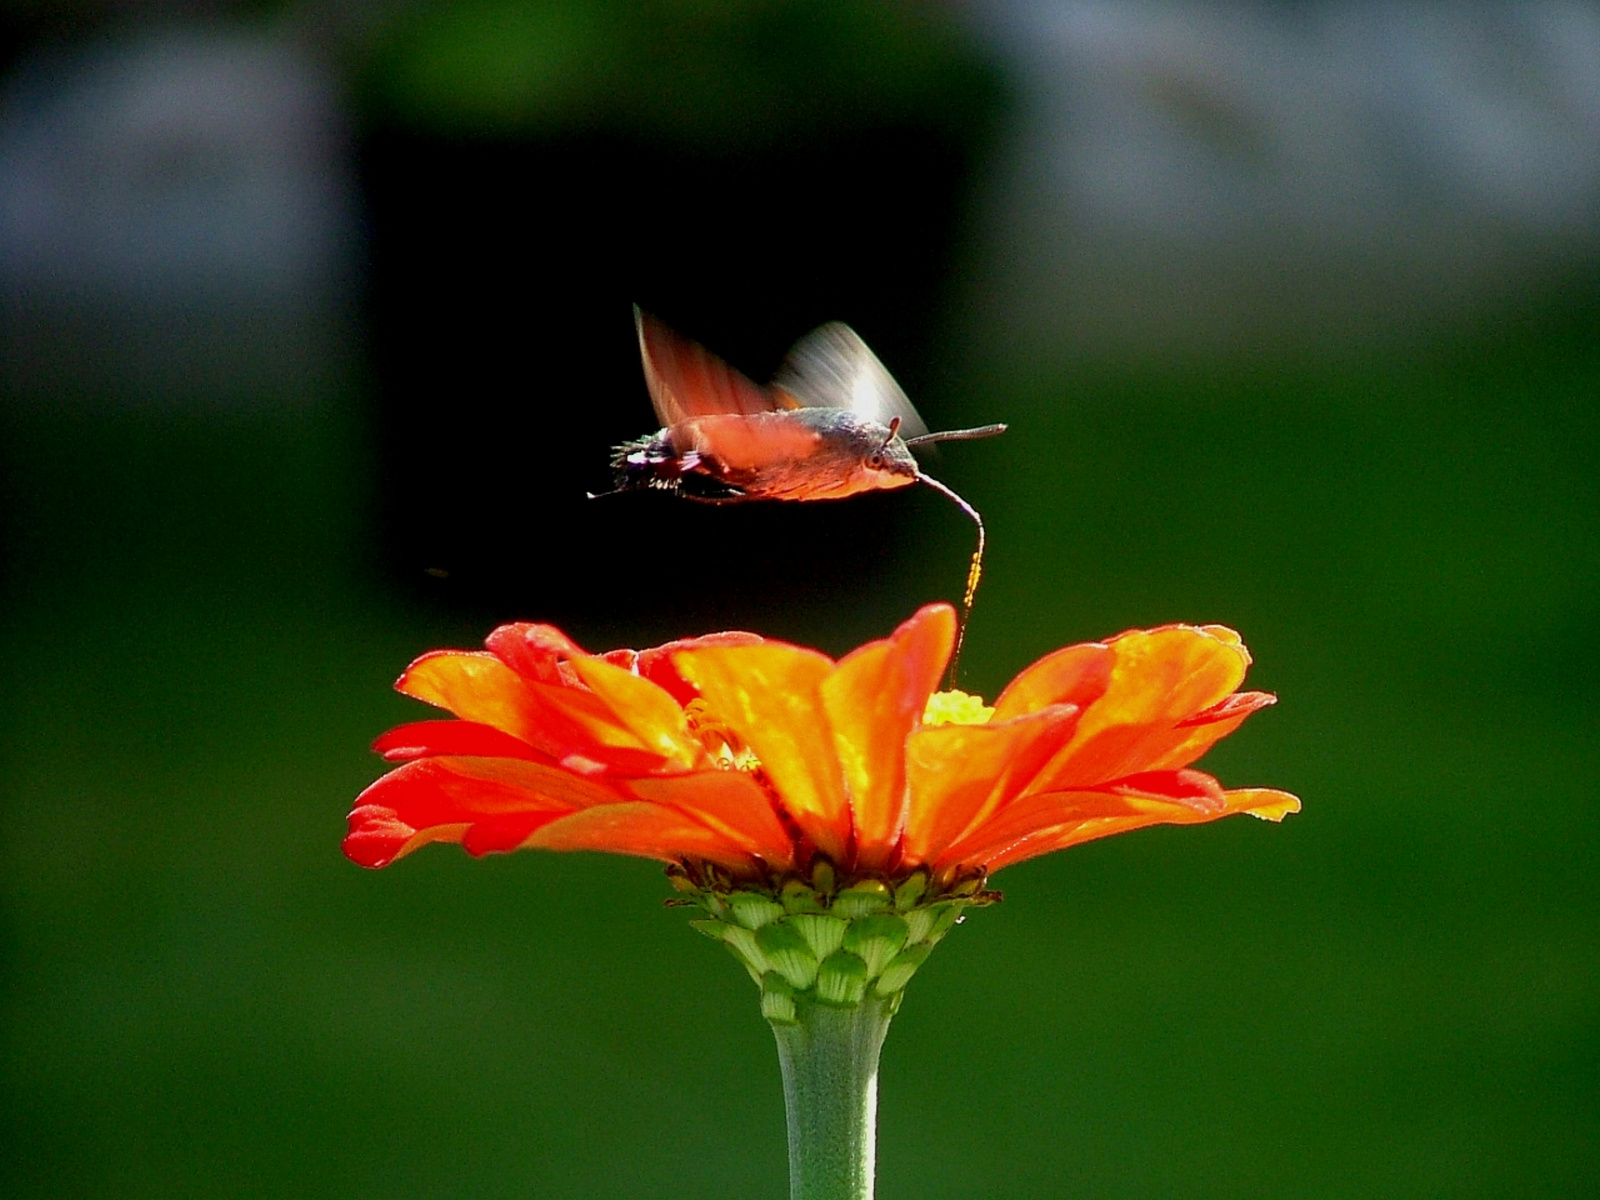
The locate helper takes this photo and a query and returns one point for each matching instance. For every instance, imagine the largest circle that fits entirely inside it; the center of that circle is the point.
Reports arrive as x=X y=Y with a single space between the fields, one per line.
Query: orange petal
x=1080 y=821
x=1037 y=816
x=560 y=721
x=644 y=830
x=730 y=803
x=768 y=694
x=874 y=699
x=443 y=799
x=958 y=774
x=1076 y=675
x=1170 y=673
x=656 y=664
x=649 y=712
x=1160 y=678
x=1196 y=735
x=473 y=684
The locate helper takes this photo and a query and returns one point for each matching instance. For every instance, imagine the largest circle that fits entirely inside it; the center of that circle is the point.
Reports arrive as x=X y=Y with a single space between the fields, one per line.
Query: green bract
x=808 y=941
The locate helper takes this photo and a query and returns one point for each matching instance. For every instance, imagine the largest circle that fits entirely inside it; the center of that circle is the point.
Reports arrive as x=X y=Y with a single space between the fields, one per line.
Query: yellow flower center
x=956 y=708
x=729 y=751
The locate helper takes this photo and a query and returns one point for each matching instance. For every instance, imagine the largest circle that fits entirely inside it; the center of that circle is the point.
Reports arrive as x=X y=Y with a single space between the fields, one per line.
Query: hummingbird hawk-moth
x=832 y=423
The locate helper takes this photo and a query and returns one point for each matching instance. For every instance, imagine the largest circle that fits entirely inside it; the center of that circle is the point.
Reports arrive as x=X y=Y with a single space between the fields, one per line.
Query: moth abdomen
x=654 y=463
x=647 y=462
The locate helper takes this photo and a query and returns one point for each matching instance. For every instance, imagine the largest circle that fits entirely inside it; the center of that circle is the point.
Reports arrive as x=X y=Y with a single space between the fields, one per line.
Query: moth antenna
x=957 y=435
x=974 y=572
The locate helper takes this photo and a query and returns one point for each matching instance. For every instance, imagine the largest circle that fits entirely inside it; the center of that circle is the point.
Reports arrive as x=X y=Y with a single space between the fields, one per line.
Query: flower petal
x=1160 y=678
x=649 y=712
x=730 y=803
x=1076 y=675
x=657 y=666
x=874 y=698
x=561 y=721
x=644 y=830
x=424 y=739
x=473 y=684
x=1084 y=816
x=1038 y=816
x=442 y=799
x=958 y=774
x=1196 y=735
x=535 y=652
x=1269 y=804
x=768 y=695
x=1195 y=789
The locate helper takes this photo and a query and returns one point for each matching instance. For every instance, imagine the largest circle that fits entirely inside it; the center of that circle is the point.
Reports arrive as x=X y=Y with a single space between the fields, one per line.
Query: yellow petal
x=874 y=698
x=768 y=695
x=649 y=712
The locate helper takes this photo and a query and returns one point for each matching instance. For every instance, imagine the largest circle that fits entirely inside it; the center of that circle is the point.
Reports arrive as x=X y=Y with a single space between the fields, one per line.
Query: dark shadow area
x=506 y=364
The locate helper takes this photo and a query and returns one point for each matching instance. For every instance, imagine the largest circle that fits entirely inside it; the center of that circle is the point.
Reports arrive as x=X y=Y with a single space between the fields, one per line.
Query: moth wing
x=739 y=444
x=687 y=380
x=832 y=367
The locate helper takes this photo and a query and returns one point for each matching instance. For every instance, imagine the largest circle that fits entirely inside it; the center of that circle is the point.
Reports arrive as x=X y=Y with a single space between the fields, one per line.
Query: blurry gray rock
x=176 y=216
x=1238 y=179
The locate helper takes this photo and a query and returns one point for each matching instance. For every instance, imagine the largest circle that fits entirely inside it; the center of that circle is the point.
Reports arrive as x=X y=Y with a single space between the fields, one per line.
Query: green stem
x=830 y=1088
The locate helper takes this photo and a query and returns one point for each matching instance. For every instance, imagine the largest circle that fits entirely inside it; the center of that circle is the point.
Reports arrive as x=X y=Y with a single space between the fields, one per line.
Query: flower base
x=811 y=942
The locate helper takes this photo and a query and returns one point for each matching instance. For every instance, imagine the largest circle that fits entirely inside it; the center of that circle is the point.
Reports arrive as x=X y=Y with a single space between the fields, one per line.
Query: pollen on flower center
x=956 y=708
x=726 y=748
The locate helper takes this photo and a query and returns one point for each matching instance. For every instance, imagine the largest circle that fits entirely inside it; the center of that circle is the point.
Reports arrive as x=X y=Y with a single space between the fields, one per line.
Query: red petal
x=1238 y=705
x=730 y=803
x=420 y=739
x=644 y=830
x=440 y=799
x=534 y=651
x=1195 y=789
x=873 y=699
x=378 y=836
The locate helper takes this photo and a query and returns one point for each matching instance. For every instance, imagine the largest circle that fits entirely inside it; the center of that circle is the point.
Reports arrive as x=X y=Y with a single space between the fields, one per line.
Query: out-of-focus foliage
x=748 y=71
x=1393 y=994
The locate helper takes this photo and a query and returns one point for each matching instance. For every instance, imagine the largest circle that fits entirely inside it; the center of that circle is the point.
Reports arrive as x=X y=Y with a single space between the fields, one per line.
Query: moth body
x=794 y=454
x=832 y=423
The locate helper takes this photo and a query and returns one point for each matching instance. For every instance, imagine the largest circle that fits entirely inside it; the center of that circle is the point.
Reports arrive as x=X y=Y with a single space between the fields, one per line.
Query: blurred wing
x=831 y=367
x=687 y=380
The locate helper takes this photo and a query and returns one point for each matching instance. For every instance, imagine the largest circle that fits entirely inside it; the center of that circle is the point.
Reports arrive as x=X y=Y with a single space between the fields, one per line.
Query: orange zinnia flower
x=749 y=758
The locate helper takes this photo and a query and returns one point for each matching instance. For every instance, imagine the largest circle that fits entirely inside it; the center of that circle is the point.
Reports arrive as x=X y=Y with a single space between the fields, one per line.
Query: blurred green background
x=218 y=514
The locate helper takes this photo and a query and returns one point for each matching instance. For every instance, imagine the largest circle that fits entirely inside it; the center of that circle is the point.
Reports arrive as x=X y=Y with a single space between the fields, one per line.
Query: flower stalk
x=829 y=1056
x=832 y=959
